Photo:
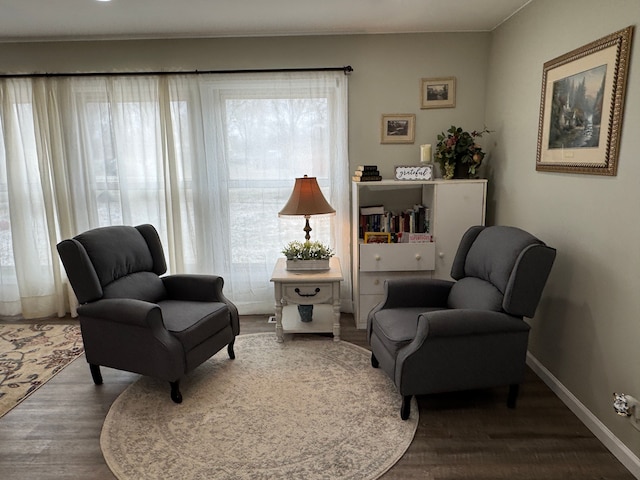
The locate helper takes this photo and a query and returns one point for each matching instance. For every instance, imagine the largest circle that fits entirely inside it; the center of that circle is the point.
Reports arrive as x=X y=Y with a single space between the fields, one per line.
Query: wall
x=586 y=331
x=386 y=77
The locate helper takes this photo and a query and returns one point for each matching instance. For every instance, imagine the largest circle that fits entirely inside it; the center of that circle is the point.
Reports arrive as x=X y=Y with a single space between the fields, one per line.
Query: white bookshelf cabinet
x=454 y=206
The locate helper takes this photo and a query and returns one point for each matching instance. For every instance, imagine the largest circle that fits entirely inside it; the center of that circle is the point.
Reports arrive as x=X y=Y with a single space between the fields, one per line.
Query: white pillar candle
x=425 y=153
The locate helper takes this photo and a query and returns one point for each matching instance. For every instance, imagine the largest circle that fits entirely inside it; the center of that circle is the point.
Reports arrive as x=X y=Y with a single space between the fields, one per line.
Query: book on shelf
x=375 y=218
x=368 y=178
x=372 y=210
x=366 y=168
x=366 y=173
x=420 y=238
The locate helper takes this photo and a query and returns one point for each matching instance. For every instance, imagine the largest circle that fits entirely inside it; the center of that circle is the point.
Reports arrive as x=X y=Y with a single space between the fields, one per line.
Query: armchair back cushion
x=116 y=262
x=491 y=266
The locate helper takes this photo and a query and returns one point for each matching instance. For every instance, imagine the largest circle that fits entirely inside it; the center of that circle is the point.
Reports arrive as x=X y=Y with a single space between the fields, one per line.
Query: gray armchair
x=135 y=320
x=433 y=336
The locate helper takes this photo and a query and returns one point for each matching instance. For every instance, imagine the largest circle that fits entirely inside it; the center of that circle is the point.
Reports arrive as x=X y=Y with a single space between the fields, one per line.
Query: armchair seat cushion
x=194 y=322
x=396 y=327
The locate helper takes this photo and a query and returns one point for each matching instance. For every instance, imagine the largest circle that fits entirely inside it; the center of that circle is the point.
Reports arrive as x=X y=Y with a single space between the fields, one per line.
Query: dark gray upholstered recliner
x=135 y=320
x=433 y=336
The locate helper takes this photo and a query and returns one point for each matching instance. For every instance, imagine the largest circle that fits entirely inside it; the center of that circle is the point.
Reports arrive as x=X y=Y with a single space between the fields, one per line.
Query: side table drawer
x=397 y=257
x=307 y=293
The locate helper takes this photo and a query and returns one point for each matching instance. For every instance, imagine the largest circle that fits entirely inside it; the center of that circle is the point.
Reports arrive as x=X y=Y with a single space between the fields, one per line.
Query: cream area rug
x=30 y=355
x=309 y=408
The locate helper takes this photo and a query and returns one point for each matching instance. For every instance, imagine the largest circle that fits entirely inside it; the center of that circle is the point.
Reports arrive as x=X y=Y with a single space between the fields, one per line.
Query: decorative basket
x=308 y=265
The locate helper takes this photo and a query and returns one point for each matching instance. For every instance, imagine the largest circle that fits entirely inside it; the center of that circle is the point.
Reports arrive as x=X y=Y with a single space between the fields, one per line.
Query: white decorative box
x=308 y=265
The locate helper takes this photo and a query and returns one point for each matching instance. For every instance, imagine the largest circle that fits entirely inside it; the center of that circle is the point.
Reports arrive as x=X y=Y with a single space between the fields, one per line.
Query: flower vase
x=461 y=170
x=448 y=172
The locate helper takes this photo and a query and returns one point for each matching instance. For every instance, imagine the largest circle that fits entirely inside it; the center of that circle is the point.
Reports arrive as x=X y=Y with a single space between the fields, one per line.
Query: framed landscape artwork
x=398 y=128
x=581 y=107
x=438 y=92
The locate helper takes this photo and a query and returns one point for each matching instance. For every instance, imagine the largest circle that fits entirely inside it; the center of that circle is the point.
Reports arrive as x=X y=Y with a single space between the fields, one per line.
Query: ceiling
x=34 y=20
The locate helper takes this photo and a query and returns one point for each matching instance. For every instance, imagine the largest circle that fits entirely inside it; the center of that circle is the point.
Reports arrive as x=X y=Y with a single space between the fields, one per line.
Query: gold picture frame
x=398 y=128
x=377 y=237
x=581 y=107
x=438 y=92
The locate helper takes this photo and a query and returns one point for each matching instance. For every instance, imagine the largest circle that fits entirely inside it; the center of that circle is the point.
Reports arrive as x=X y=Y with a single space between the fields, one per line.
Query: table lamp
x=306 y=199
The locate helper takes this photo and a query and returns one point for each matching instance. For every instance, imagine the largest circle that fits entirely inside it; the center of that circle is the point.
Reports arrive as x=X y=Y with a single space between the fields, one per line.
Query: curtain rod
x=346 y=69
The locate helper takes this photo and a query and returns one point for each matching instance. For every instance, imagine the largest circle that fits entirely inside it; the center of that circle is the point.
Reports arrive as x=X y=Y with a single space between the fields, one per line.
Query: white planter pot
x=307 y=265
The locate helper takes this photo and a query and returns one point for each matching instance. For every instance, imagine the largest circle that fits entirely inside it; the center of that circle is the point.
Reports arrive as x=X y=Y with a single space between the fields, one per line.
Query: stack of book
x=414 y=221
x=366 y=173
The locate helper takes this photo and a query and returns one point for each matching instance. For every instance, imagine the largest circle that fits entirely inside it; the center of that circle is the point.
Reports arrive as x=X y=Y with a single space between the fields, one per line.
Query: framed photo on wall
x=581 y=107
x=438 y=92
x=398 y=128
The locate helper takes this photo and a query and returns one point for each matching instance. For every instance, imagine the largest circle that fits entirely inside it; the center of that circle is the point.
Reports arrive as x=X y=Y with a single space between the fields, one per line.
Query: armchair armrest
x=200 y=288
x=411 y=292
x=451 y=323
x=126 y=311
x=416 y=292
x=130 y=334
x=190 y=287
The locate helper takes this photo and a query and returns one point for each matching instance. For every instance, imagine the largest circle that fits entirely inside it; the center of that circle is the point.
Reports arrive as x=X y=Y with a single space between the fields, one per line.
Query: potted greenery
x=458 y=153
x=307 y=255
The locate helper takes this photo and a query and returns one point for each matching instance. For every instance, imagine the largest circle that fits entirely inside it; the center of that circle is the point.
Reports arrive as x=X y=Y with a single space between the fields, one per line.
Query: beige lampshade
x=306 y=199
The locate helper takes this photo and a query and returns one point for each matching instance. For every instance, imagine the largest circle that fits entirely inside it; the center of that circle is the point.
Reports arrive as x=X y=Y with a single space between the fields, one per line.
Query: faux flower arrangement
x=297 y=250
x=457 y=147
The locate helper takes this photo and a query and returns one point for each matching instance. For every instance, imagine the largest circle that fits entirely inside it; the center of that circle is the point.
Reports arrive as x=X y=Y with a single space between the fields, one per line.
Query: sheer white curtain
x=209 y=160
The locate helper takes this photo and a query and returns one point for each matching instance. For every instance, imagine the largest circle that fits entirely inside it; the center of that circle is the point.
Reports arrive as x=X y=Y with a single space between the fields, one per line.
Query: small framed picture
x=377 y=237
x=398 y=128
x=438 y=92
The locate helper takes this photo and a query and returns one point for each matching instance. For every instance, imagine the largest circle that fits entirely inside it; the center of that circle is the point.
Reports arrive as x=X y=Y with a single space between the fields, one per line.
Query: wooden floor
x=54 y=434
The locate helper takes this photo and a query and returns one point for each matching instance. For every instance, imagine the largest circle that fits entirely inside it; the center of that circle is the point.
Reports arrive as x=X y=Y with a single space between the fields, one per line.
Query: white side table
x=320 y=289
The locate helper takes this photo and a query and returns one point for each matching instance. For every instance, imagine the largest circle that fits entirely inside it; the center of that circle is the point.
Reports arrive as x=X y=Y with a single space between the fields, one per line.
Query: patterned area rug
x=309 y=408
x=30 y=355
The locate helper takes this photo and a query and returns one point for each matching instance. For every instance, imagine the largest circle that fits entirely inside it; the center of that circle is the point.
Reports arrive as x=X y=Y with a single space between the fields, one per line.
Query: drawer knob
x=441 y=254
x=376 y=282
x=418 y=257
x=377 y=257
x=317 y=290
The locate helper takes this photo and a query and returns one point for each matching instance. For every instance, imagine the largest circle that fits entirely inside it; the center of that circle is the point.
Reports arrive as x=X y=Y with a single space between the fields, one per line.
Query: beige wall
x=587 y=330
x=386 y=77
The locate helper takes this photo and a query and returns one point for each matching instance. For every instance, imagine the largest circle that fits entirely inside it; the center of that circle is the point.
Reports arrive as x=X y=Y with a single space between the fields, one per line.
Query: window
x=209 y=160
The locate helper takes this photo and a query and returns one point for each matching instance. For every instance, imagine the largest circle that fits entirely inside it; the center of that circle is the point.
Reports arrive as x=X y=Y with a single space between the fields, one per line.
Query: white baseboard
x=599 y=429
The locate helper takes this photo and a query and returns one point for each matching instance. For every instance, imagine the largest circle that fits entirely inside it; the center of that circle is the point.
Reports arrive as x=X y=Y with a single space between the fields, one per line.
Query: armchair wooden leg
x=374 y=361
x=230 y=351
x=513 y=395
x=95 y=374
x=405 y=409
x=176 y=396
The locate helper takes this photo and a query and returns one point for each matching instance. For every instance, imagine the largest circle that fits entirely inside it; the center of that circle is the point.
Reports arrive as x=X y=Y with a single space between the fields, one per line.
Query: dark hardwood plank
x=55 y=433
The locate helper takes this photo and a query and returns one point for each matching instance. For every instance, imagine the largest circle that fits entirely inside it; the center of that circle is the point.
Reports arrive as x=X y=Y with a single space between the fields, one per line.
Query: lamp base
x=307 y=228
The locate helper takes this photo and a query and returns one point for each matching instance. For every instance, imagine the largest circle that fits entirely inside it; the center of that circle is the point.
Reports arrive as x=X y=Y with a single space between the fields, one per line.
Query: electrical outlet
x=627 y=406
